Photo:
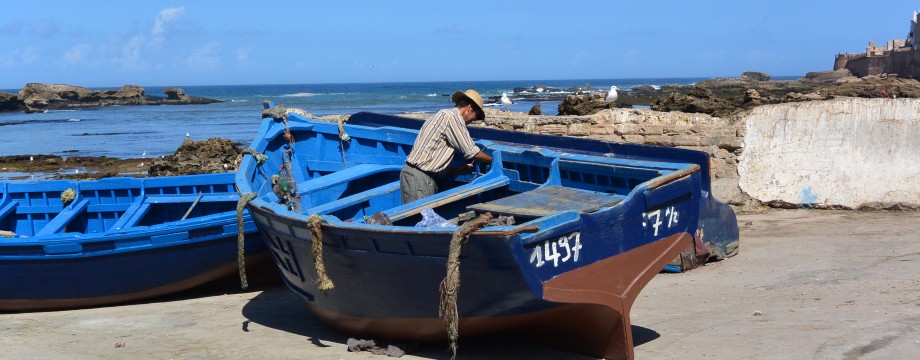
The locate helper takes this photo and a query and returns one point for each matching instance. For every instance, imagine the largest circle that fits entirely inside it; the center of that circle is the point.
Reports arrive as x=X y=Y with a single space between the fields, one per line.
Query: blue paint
x=121 y=239
x=809 y=198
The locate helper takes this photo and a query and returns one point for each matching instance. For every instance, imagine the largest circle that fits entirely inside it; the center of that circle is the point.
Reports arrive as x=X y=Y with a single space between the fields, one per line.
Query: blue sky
x=175 y=43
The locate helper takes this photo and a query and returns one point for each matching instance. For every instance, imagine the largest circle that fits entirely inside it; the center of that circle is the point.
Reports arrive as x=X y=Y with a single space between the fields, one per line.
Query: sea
x=151 y=131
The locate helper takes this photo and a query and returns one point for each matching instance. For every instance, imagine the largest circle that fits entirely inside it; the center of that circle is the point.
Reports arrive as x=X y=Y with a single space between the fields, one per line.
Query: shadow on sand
x=279 y=308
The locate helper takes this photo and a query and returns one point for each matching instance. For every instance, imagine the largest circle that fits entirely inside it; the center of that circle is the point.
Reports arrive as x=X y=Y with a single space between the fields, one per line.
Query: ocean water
x=152 y=131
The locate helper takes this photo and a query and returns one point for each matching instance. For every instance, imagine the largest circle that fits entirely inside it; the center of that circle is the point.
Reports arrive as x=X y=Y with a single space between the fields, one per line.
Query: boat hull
x=590 y=226
x=140 y=238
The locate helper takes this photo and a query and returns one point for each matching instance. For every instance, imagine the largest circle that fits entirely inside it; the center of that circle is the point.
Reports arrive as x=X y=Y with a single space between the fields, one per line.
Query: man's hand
x=461 y=170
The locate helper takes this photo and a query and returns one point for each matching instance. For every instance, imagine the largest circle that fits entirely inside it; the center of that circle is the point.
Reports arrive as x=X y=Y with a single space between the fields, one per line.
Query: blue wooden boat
x=117 y=239
x=593 y=222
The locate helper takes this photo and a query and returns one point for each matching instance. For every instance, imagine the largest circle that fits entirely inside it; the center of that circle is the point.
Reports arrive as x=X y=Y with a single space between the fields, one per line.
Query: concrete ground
x=805 y=285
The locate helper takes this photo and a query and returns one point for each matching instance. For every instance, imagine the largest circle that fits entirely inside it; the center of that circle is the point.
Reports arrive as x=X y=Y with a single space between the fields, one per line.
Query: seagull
x=31 y=158
x=612 y=95
x=187 y=135
x=506 y=102
x=144 y=154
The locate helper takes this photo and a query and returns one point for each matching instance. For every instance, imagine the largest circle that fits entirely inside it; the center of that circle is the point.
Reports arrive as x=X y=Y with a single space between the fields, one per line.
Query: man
x=439 y=137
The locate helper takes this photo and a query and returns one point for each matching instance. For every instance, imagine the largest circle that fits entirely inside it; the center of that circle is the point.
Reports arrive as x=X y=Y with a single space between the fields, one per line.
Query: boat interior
x=31 y=210
x=354 y=181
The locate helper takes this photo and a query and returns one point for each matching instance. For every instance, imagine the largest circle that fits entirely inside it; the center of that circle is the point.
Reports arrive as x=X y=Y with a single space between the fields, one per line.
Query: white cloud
x=77 y=54
x=131 y=53
x=19 y=57
x=242 y=56
x=166 y=16
x=45 y=28
x=205 y=57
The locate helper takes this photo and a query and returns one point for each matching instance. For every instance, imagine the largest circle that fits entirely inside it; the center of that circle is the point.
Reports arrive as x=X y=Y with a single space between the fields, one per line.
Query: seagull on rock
x=612 y=95
x=506 y=102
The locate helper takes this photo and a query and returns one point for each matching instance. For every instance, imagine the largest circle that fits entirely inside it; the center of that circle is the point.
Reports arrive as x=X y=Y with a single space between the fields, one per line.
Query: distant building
x=901 y=57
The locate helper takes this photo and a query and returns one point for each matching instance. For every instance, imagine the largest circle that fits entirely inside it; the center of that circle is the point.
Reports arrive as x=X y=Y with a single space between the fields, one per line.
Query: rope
x=240 y=237
x=342 y=134
x=260 y=158
x=323 y=282
x=279 y=113
x=450 y=286
x=67 y=196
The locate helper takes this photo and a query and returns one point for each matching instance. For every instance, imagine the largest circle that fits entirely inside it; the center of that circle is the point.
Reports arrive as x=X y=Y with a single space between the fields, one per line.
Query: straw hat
x=474 y=98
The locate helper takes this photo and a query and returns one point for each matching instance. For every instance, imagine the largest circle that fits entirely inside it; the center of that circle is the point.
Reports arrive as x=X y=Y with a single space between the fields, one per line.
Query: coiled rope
x=323 y=283
x=240 y=237
x=450 y=286
x=67 y=196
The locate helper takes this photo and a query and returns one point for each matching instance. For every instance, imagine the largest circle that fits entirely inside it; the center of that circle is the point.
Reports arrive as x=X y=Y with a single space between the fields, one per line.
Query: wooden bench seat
x=548 y=200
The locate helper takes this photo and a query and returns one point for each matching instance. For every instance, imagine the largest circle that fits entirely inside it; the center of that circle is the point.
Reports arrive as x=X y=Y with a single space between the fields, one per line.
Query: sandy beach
x=807 y=284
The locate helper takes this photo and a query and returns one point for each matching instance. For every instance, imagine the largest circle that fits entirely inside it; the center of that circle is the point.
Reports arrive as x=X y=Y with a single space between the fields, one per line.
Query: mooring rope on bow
x=315 y=223
x=260 y=158
x=241 y=237
x=450 y=286
x=279 y=113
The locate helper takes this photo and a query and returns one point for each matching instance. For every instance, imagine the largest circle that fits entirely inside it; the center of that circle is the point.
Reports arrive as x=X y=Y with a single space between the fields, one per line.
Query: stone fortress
x=899 y=56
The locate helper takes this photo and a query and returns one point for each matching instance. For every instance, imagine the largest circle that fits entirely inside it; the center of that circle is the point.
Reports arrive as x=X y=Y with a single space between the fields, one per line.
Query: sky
x=201 y=42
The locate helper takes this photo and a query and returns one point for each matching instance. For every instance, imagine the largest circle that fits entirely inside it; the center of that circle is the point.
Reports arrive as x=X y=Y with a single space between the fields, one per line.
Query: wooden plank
x=63 y=218
x=354 y=199
x=548 y=200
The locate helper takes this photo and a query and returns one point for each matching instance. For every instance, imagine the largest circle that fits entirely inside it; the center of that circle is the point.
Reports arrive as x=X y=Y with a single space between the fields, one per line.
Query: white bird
x=612 y=95
x=506 y=102
x=76 y=171
x=144 y=154
x=187 y=135
x=31 y=158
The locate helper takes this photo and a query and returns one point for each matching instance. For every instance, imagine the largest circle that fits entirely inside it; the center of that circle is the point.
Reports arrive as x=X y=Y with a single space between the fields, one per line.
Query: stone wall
x=842 y=153
x=721 y=138
x=852 y=153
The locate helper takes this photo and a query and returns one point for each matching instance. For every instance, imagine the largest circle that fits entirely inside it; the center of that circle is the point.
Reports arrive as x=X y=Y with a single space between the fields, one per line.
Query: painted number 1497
x=569 y=244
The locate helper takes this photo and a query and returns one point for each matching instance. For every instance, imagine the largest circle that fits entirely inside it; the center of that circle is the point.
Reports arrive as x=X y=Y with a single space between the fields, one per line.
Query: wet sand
x=806 y=285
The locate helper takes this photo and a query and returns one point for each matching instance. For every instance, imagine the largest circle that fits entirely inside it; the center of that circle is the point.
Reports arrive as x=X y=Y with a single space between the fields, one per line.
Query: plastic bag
x=432 y=219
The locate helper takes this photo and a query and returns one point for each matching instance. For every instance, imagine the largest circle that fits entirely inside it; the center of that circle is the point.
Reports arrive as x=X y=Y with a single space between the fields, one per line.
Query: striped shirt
x=439 y=136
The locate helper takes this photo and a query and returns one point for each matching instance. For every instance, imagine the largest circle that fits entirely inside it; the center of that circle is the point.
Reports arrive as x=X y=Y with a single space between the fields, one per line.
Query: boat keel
x=605 y=292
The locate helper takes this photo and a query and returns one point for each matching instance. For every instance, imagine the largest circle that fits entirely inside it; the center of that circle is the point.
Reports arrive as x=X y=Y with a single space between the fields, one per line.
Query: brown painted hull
x=592 y=319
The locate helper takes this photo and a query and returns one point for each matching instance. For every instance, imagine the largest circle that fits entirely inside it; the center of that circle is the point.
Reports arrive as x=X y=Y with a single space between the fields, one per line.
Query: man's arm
x=482 y=157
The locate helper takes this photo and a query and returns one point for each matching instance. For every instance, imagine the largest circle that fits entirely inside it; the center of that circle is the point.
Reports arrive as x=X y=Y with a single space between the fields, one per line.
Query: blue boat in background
x=73 y=244
x=586 y=224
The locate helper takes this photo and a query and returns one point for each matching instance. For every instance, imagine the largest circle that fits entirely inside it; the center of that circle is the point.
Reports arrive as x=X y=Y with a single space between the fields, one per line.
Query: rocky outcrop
x=755 y=76
x=177 y=96
x=10 y=102
x=727 y=96
x=698 y=100
x=38 y=97
x=213 y=155
x=587 y=104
